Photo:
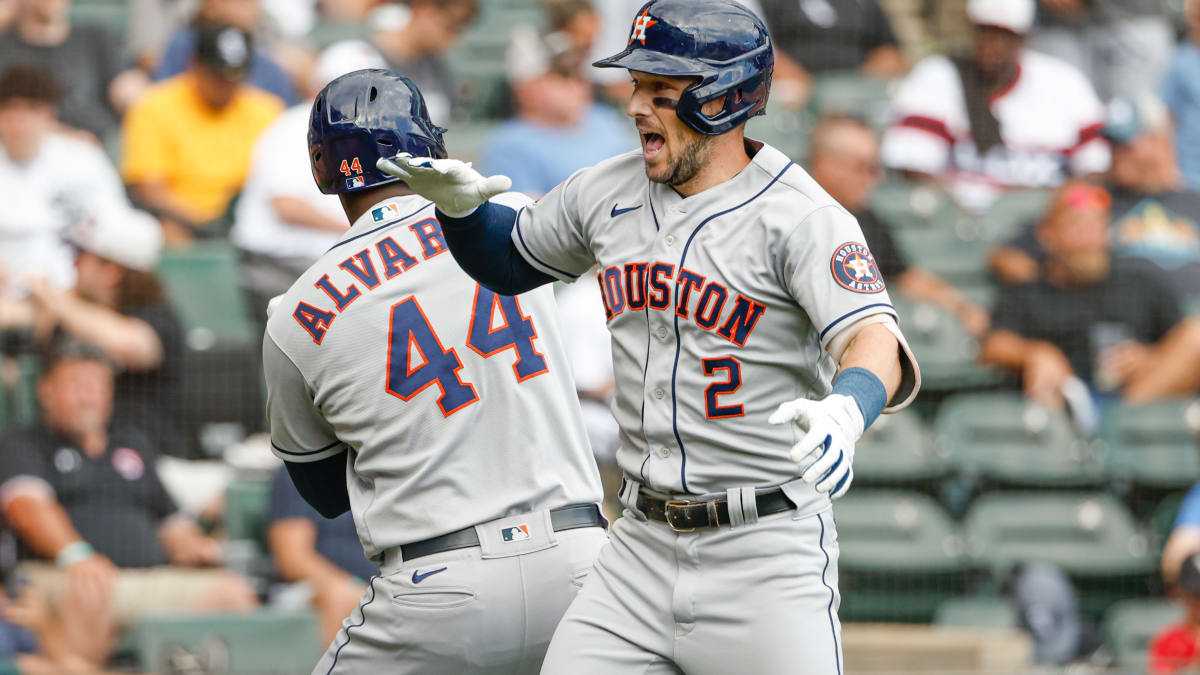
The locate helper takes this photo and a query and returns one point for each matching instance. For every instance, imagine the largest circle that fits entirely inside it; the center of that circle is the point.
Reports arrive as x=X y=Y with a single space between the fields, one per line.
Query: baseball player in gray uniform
x=441 y=414
x=753 y=341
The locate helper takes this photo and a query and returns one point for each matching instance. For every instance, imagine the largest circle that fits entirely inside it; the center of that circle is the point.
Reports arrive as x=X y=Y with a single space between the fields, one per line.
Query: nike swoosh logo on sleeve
x=616 y=212
x=418 y=578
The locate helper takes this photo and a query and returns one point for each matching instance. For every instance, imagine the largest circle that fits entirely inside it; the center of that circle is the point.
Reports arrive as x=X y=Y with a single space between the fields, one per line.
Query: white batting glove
x=826 y=453
x=452 y=185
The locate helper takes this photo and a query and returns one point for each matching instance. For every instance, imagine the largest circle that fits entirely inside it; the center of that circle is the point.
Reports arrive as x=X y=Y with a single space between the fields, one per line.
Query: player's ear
x=714 y=106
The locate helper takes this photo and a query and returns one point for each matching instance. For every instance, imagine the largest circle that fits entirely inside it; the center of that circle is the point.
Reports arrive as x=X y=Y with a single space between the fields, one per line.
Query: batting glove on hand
x=826 y=453
x=452 y=185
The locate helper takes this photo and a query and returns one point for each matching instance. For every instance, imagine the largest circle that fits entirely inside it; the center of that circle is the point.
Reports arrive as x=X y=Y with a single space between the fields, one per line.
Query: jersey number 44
x=417 y=359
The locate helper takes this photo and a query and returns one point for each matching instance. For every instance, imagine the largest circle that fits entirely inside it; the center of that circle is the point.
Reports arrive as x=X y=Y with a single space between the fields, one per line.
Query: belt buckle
x=667 y=514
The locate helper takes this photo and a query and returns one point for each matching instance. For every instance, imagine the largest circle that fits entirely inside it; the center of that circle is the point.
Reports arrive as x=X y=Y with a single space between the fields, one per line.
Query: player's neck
x=355 y=204
x=727 y=159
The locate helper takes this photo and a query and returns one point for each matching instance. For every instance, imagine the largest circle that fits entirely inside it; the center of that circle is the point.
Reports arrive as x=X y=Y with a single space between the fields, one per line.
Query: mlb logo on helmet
x=518 y=533
x=385 y=212
x=355 y=182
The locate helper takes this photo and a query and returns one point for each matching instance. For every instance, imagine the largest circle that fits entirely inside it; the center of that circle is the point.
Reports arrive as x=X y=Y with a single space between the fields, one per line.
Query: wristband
x=73 y=553
x=866 y=389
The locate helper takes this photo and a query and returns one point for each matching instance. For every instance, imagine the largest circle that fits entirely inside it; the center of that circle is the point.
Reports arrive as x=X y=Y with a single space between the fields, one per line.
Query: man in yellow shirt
x=187 y=141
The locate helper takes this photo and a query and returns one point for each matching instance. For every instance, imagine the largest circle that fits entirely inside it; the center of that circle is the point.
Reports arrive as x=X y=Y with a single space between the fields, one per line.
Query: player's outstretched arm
x=869 y=376
x=478 y=232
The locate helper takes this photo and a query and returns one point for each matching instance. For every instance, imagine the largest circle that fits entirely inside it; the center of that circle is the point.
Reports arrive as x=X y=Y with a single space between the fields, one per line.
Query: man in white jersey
x=735 y=289
x=999 y=117
x=442 y=415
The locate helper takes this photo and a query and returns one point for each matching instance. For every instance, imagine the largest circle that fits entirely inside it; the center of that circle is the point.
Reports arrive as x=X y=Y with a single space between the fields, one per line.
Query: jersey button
x=659 y=393
x=663 y=452
x=669 y=239
x=661 y=332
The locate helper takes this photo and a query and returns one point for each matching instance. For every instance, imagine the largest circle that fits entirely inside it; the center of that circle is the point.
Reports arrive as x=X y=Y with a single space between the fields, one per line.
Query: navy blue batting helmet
x=718 y=41
x=360 y=117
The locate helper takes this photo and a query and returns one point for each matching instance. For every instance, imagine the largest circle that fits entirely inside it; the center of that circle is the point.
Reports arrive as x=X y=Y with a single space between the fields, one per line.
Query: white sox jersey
x=456 y=404
x=1050 y=121
x=720 y=305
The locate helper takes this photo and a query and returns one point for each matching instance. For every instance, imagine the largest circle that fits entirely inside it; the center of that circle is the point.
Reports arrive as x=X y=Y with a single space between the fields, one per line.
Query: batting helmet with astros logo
x=719 y=42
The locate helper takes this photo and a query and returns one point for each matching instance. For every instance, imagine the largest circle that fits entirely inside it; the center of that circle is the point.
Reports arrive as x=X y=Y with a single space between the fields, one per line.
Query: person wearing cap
x=1181 y=92
x=558 y=128
x=49 y=179
x=1090 y=318
x=100 y=536
x=1176 y=648
x=118 y=306
x=1156 y=220
x=187 y=141
x=282 y=222
x=998 y=117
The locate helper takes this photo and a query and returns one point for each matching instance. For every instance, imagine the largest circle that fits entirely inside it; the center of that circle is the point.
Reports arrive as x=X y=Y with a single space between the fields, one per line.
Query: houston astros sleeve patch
x=854 y=269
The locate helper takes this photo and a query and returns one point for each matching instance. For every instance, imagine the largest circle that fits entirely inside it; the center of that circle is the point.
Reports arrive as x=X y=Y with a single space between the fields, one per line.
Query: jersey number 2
x=712 y=407
x=417 y=359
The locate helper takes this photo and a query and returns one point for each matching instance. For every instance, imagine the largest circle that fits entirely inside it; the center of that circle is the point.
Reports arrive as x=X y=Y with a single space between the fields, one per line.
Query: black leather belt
x=685 y=516
x=565 y=518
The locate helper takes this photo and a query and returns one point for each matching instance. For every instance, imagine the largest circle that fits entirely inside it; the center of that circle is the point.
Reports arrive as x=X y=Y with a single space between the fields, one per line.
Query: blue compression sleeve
x=322 y=484
x=482 y=245
x=866 y=389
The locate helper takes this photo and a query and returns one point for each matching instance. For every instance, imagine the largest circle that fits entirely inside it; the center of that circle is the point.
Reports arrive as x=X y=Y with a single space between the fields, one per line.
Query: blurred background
x=1026 y=173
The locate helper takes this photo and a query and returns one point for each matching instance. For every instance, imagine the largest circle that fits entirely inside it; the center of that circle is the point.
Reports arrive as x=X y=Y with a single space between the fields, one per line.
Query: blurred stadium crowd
x=1027 y=176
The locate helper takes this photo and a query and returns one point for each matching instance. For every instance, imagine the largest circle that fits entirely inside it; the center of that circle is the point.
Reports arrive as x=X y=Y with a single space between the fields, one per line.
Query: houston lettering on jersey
x=709 y=304
x=364 y=271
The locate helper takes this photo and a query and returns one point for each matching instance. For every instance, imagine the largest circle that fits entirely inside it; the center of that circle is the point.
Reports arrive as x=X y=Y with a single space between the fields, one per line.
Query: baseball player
x=735 y=288
x=441 y=414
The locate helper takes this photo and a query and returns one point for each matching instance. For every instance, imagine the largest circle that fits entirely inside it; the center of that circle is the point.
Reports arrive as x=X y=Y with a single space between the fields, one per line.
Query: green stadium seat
x=1005 y=218
x=896 y=531
x=851 y=93
x=901 y=556
x=909 y=205
x=1007 y=439
x=1087 y=535
x=948 y=355
x=260 y=642
x=1162 y=519
x=897 y=449
x=1154 y=445
x=111 y=15
x=977 y=612
x=788 y=131
x=23 y=405
x=1131 y=625
x=247 y=502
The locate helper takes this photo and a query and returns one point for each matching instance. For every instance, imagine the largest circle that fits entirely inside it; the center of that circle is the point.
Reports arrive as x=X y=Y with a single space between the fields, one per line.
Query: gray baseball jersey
x=721 y=307
x=456 y=404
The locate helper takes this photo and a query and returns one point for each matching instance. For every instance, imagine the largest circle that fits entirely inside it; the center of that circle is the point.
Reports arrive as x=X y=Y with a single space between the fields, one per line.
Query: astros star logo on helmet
x=640 y=25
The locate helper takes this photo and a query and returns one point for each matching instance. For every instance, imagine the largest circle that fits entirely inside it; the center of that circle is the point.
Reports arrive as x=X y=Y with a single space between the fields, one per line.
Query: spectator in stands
x=999 y=117
x=282 y=222
x=1122 y=46
x=49 y=179
x=84 y=60
x=1088 y=318
x=558 y=129
x=1176 y=649
x=118 y=306
x=1181 y=91
x=264 y=73
x=1174 y=369
x=417 y=49
x=325 y=554
x=925 y=27
x=830 y=36
x=1156 y=222
x=844 y=159
x=187 y=141
x=81 y=491
x=1184 y=540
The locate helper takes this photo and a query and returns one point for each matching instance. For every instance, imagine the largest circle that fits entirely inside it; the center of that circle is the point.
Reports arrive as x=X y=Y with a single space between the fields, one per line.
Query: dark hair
x=63 y=347
x=30 y=82
x=560 y=13
x=136 y=289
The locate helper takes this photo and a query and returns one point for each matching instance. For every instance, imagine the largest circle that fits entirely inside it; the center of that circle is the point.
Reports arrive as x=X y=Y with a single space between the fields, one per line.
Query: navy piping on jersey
x=374 y=230
x=650 y=199
x=362 y=612
x=852 y=313
x=306 y=452
x=829 y=610
x=678 y=344
x=536 y=259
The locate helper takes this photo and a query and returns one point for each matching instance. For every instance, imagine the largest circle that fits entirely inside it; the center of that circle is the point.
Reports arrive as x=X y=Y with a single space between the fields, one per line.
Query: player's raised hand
x=826 y=452
x=452 y=185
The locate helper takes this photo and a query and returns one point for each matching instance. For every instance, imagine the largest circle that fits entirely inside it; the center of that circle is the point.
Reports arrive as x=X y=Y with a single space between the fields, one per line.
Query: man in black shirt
x=827 y=36
x=845 y=161
x=82 y=493
x=1088 y=316
x=1155 y=220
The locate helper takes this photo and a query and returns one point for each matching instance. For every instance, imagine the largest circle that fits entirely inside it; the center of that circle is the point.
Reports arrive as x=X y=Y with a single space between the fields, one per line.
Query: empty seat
x=1087 y=535
x=947 y=353
x=910 y=205
x=1006 y=438
x=261 y=642
x=852 y=93
x=898 y=449
x=1130 y=626
x=977 y=612
x=1154 y=445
